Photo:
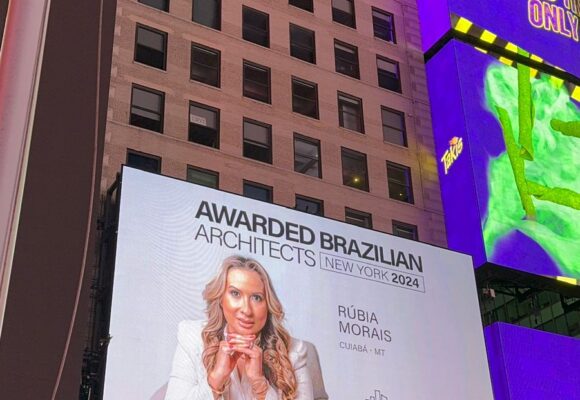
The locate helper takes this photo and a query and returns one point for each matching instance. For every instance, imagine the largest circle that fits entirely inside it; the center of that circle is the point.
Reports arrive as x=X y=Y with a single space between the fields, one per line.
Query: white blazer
x=188 y=380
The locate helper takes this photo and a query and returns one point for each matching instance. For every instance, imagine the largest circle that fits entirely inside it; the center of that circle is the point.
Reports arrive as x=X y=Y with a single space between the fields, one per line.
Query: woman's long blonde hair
x=274 y=338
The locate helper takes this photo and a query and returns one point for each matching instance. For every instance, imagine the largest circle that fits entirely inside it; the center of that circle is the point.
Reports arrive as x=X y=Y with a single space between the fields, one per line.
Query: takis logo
x=377 y=396
x=452 y=153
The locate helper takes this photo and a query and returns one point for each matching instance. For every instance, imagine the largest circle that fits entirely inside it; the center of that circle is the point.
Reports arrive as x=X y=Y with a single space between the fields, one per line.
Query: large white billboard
x=220 y=296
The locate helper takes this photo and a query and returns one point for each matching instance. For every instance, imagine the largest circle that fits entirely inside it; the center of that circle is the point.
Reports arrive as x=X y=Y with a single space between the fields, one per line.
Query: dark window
x=388 y=72
x=346 y=59
x=354 y=169
x=257 y=141
x=350 y=113
x=256 y=26
x=208 y=13
x=147 y=108
x=304 y=98
x=394 y=130
x=162 y=5
x=307 y=5
x=307 y=156
x=257 y=82
x=257 y=191
x=343 y=12
x=205 y=65
x=302 y=44
x=400 y=187
x=203 y=177
x=143 y=161
x=204 y=125
x=150 y=47
x=404 y=230
x=309 y=205
x=358 y=218
x=383 y=25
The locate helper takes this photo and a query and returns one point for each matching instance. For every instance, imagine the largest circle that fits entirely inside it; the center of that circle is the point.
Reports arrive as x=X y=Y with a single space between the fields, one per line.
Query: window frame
x=252 y=28
x=269 y=189
x=335 y=15
x=204 y=171
x=189 y=123
x=250 y=64
x=408 y=185
x=392 y=30
x=404 y=123
x=403 y=225
x=352 y=153
x=319 y=202
x=355 y=64
x=312 y=85
x=310 y=9
x=145 y=155
x=399 y=86
x=219 y=14
x=162 y=111
x=340 y=113
x=362 y=214
x=298 y=45
x=245 y=141
x=218 y=68
x=311 y=141
x=156 y=31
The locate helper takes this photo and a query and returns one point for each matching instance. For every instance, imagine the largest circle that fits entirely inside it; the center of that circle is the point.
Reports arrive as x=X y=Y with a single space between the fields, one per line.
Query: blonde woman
x=242 y=351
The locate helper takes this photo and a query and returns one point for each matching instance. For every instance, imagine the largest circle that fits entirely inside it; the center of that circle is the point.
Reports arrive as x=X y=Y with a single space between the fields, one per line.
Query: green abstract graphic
x=534 y=186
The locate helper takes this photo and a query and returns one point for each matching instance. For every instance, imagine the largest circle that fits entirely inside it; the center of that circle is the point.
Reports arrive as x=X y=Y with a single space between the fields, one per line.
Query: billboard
x=547 y=28
x=326 y=310
x=521 y=374
x=507 y=139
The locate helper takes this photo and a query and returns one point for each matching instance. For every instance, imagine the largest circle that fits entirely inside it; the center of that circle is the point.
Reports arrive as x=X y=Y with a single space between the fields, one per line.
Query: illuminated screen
x=508 y=141
x=547 y=28
x=366 y=315
x=524 y=365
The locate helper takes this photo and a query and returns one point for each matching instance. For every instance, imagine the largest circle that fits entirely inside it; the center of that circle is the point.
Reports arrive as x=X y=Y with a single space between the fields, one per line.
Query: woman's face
x=244 y=302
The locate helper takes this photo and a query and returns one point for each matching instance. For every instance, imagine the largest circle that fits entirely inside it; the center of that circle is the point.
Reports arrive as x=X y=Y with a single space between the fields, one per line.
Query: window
x=354 y=169
x=202 y=177
x=388 y=72
x=394 y=130
x=302 y=44
x=309 y=205
x=208 y=13
x=343 y=12
x=257 y=141
x=350 y=115
x=257 y=191
x=204 y=125
x=143 y=161
x=205 y=65
x=256 y=26
x=162 y=5
x=307 y=5
x=383 y=25
x=147 y=108
x=404 y=230
x=150 y=47
x=257 y=82
x=346 y=59
x=400 y=187
x=358 y=218
x=307 y=156
x=304 y=98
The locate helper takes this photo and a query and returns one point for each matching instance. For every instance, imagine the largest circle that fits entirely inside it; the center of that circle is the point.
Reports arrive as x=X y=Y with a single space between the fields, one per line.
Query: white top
x=188 y=380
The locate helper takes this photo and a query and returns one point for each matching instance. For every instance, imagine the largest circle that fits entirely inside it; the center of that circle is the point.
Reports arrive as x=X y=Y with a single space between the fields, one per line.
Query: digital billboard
x=524 y=365
x=548 y=29
x=220 y=296
x=507 y=140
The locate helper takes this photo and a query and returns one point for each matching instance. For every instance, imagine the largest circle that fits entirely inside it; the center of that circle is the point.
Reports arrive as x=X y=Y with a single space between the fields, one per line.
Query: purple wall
x=527 y=364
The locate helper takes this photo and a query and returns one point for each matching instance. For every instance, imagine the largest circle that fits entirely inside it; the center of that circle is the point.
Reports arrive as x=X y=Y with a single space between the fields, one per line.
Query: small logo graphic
x=452 y=153
x=377 y=396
